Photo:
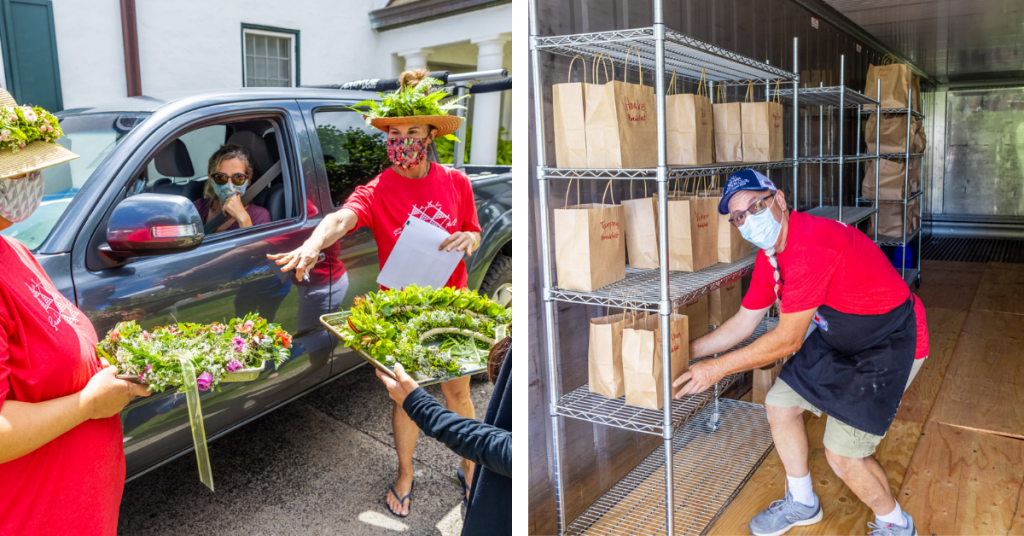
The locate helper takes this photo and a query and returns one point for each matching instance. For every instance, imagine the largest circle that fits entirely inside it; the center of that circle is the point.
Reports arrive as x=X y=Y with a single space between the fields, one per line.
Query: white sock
x=895 y=517
x=802 y=489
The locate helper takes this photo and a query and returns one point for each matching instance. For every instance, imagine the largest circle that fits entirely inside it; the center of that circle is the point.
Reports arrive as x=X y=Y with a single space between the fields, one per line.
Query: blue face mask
x=225 y=191
x=761 y=229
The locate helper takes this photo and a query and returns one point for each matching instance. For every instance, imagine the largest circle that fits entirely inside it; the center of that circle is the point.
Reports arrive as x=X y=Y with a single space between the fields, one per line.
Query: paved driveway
x=320 y=465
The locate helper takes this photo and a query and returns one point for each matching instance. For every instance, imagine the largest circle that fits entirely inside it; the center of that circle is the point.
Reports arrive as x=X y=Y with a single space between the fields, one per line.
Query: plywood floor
x=954 y=455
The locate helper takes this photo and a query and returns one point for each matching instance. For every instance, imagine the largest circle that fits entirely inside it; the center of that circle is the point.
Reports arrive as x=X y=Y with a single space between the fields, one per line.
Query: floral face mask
x=407 y=153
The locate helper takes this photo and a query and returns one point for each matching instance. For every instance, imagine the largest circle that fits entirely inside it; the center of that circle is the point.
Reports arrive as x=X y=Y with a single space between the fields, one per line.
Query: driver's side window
x=214 y=166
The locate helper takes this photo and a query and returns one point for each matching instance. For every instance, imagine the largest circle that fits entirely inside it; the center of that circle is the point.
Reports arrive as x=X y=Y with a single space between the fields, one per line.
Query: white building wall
x=90 y=51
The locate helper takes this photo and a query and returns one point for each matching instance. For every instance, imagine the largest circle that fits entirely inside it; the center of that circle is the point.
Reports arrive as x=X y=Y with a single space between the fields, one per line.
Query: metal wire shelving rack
x=910 y=275
x=843 y=99
x=701 y=427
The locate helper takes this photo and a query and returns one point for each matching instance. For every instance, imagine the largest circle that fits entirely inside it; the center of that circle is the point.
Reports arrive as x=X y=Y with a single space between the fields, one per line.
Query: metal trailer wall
x=596 y=456
x=977 y=146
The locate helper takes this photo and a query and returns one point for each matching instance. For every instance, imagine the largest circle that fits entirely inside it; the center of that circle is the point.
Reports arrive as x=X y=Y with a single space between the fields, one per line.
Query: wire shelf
x=586 y=406
x=900 y=156
x=895 y=240
x=641 y=289
x=688 y=56
x=710 y=466
x=827 y=96
x=724 y=168
x=851 y=215
x=915 y=113
x=913 y=196
x=834 y=159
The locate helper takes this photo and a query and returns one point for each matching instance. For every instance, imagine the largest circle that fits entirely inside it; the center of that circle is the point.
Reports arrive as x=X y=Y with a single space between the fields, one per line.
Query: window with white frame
x=270 y=58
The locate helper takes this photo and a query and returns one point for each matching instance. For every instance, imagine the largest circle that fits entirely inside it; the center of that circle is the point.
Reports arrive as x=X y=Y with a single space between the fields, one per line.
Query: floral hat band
x=28 y=138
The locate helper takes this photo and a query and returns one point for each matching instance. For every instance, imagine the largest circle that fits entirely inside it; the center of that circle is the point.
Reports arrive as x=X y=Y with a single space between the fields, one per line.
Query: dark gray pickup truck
x=142 y=155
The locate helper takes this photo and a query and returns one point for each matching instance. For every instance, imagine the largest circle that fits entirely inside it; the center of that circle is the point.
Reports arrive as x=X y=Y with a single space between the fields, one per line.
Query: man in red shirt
x=869 y=339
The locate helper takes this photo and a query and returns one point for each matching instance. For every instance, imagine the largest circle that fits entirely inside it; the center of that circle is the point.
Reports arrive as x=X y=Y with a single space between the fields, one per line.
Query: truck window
x=353 y=152
x=91 y=137
x=181 y=167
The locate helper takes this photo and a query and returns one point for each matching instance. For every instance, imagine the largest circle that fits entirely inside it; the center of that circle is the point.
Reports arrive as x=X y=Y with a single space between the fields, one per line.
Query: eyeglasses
x=237 y=179
x=756 y=208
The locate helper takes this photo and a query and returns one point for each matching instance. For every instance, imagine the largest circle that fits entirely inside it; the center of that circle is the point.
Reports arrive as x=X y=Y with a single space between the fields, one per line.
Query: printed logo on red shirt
x=57 y=307
x=431 y=214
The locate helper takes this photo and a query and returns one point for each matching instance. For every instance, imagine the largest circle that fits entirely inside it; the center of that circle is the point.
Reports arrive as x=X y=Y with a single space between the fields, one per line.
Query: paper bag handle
x=640 y=66
x=631 y=181
x=574 y=58
x=607 y=189
x=776 y=99
x=605 y=60
x=567 y=193
x=672 y=84
x=750 y=91
x=721 y=92
x=702 y=86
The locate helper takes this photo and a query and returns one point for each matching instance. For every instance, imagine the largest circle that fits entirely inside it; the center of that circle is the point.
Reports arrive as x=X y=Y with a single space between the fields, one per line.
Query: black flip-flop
x=465 y=488
x=401 y=500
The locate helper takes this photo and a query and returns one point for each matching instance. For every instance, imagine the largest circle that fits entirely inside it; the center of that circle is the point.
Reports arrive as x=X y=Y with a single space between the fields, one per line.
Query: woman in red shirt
x=61 y=460
x=412 y=187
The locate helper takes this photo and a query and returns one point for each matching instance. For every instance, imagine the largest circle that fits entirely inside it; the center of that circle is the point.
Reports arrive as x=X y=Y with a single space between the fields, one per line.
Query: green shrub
x=446 y=148
x=352 y=157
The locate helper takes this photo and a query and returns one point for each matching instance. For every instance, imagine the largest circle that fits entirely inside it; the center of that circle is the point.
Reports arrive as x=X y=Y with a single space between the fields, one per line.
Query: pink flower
x=238 y=344
x=217 y=328
x=234 y=365
x=142 y=377
x=245 y=328
x=204 y=381
x=13 y=118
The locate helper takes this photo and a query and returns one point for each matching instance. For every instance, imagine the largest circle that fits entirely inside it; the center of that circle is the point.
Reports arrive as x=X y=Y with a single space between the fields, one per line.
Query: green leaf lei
x=22 y=125
x=411 y=101
x=212 y=348
x=392 y=325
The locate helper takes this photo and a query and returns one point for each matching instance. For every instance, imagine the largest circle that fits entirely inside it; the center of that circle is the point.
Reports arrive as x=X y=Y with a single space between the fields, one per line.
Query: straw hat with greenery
x=28 y=139
x=414 y=105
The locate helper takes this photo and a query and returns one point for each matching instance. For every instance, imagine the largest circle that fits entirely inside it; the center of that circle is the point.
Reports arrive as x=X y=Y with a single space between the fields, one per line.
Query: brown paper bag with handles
x=891 y=179
x=892 y=139
x=621 y=132
x=604 y=355
x=698 y=312
x=890 y=219
x=641 y=358
x=731 y=245
x=590 y=246
x=641 y=230
x=896 y=79
x=728 y=129
x=569 y=114
x=689 y=126
x=692 y=232
x=762 y=129
x=724 y=302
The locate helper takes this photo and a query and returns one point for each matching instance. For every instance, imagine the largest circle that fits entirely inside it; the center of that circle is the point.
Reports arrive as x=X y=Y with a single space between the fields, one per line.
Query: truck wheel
x=497 y=283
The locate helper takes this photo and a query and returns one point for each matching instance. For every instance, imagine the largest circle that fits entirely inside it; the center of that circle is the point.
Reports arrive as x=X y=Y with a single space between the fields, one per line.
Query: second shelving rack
x=723 y=440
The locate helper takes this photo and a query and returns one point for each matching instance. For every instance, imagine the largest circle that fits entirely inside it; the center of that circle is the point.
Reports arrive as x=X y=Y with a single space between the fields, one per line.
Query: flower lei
x=22 y=125
x=214 y=349
x=392 y=325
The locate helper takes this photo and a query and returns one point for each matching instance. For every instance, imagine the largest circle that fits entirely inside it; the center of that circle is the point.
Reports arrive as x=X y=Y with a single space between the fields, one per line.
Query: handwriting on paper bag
x=675 y=343
x=730 y=286
x=635 y=110
x=703 y=117
x=777 y=119
x=703 y=219
x=609 y=230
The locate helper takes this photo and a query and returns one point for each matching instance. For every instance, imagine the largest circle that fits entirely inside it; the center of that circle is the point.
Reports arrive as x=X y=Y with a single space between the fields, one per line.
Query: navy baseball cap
x=747 y=179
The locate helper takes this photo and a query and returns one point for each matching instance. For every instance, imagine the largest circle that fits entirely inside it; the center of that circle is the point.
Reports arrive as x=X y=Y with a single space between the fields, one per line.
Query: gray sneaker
x=780 y=516
x=889 y=529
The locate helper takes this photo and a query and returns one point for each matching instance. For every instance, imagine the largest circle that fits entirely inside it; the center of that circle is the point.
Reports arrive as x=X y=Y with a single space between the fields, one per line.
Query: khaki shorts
x=840 y=438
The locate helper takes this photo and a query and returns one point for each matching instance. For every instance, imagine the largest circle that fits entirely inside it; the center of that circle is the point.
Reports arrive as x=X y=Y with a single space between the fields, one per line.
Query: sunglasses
x=237 y=179
x=754 y=209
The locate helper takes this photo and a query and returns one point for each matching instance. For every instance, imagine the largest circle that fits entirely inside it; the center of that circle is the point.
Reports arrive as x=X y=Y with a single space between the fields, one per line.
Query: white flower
x=30 y=116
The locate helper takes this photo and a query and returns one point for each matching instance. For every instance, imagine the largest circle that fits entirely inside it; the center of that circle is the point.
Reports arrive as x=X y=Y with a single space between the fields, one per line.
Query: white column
x=487 y=107
x=416 y=59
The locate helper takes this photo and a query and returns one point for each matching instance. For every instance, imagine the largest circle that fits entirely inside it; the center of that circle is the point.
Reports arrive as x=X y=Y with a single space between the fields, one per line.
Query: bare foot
x=402 y=487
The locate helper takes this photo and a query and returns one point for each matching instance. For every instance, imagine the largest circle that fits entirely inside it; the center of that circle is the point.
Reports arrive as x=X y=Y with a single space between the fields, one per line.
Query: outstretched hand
x=301 y=260
x=401 y=388
x=701 y=376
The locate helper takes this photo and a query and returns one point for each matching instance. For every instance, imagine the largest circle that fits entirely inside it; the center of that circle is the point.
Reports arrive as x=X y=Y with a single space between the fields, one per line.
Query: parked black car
x=160 y=147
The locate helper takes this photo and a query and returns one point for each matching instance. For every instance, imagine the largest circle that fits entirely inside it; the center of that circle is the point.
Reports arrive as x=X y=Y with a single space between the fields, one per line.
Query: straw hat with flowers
x=414 y=105
x=28 y=139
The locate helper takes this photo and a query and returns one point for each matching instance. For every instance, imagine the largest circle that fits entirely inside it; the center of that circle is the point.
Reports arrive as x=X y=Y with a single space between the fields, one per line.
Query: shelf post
x=842 y=110
x=906 y=184
x=545 y=234
x=665 y=307
x=796 y=124
x=878 y=147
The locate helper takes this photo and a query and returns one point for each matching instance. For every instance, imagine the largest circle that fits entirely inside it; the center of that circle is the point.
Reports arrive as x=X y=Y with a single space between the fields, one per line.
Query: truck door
x=226 y=277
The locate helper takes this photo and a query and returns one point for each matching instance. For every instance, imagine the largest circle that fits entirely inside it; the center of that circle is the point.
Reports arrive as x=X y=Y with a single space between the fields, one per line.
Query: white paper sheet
x=416 y=260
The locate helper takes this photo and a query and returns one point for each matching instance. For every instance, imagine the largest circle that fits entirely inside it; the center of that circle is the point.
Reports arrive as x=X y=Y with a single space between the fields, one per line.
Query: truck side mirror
x=153 y=224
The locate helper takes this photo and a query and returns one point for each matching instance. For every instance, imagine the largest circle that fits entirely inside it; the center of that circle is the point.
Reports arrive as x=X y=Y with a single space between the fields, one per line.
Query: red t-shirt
x=828 y=263
x=443 y=198
x=73 y=484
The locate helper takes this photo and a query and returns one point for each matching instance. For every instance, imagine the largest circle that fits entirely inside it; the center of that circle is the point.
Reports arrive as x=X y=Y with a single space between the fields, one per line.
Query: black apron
x=855 y=367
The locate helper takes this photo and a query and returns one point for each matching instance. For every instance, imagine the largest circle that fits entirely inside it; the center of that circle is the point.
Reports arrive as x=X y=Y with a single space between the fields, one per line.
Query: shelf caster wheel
x=917 y=281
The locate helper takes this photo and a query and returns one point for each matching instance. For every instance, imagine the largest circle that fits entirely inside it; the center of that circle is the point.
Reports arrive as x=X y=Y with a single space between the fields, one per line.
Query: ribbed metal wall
x=596 y=457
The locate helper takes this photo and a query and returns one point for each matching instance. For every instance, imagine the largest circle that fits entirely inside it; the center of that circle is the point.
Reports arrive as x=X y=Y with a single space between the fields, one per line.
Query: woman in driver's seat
x=230 y=171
